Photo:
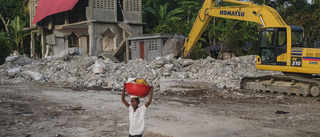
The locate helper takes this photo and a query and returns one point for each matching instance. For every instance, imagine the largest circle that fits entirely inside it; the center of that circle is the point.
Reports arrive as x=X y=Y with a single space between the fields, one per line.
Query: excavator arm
x=246 y=11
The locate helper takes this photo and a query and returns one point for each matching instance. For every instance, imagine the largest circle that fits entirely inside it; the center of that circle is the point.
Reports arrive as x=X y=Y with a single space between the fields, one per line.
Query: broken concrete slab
x=34 y=75
x=179 y=85
x=11 y=58
x=173 y=46
x=72 y=79
x=74 y=51
x=63 y=55
x=14 y=71
x=168 y=66
x=187 y=62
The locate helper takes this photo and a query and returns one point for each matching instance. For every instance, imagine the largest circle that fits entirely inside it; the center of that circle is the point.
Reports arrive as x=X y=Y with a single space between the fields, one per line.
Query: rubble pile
x=84 y=71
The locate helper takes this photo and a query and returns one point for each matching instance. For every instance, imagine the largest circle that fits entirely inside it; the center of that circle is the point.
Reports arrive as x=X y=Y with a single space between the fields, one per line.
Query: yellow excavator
x=280 y=48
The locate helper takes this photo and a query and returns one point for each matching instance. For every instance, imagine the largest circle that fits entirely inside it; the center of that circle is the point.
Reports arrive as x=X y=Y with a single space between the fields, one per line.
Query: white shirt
x=137 y=120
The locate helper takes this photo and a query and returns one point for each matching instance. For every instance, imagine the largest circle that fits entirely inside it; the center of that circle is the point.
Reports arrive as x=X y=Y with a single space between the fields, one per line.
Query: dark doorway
x=120 y=10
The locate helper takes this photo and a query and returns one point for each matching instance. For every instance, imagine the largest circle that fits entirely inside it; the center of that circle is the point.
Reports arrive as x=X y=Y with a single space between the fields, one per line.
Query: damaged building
x=95 y=27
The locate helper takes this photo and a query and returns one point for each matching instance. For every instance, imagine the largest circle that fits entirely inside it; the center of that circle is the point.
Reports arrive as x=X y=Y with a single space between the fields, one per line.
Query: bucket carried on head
x=139 y=90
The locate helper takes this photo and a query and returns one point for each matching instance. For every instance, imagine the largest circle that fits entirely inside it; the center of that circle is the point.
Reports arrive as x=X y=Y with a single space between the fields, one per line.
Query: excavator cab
x=273 y=44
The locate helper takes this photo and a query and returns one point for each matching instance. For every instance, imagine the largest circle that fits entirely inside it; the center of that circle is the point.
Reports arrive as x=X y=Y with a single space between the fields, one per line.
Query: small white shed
x=147 y=47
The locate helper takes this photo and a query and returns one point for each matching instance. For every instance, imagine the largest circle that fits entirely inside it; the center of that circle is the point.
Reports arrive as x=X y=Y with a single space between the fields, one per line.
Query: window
x=267 y=48
x=267 y=38
x=73 y=40
x=282 y=37
x=34 y=5
x=135 y=46
x=297 y=38
x=132 y=5
x=267 y=54
x=103 y=4
x=152 y=45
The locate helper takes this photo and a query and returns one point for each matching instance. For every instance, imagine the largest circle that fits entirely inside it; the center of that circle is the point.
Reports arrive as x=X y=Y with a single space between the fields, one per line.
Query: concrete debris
x=72 y=80
x=164 y=73
x=181 y=85
x=98 y=67
x=62 y=55
x=173 y=46
x=34 y=75
x=12 y=58
x=14 y=71
x=74 y=51
x=187 y=62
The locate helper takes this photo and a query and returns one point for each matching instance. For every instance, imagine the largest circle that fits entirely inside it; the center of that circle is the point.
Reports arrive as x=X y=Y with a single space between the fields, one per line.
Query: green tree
x=162 y=15
x=152 y=3
x=244 y=32
x=190 y=8
x=184 y=23
x=301 y=13
x=12 y=8
x=199 y=52
x=16 y=33
x=9 y=10
x=4 y=48
x=317 y=2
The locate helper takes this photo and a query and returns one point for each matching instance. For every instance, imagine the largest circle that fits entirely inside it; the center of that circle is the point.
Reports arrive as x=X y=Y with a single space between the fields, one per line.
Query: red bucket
x=139 y=90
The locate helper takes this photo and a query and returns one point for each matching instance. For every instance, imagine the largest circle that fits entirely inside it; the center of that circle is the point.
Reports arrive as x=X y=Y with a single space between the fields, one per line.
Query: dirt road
x=32 y=110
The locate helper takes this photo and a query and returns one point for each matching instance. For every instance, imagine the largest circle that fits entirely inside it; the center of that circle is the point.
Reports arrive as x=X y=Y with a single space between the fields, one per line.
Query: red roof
x=49 y=7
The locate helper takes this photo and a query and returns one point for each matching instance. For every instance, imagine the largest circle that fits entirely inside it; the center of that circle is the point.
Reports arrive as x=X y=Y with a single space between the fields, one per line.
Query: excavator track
x=285 y=97
x=294 y=87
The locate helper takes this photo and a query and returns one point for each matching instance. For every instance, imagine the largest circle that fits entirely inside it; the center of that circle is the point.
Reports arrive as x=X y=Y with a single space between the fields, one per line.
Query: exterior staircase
x=127 y=28
x=121 y=48
x=108 y=54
